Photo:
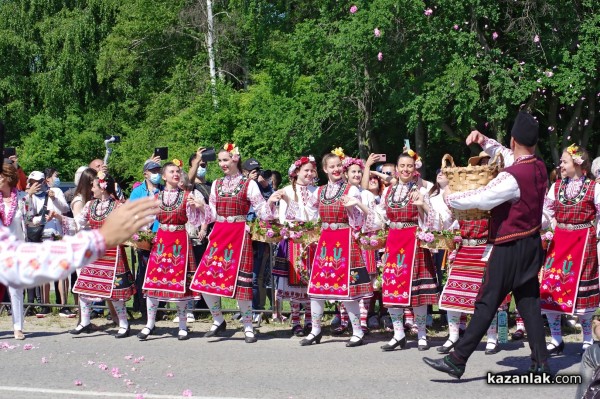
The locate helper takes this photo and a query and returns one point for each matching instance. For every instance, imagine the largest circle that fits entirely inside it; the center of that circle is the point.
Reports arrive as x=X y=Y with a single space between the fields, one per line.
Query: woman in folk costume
x=465 y=275
x=108 y=277
x=409 y=278
x=289 y=258
x=569 y=281
x=171 y=263
x=353 y=171
x=226 y=267
x=338 y=270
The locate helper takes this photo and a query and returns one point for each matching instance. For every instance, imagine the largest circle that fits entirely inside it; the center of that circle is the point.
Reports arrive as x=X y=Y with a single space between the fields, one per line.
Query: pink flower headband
x=349 y=161
x=577 y=155
x=295 y=167
x=416 y=157
x=233 y=151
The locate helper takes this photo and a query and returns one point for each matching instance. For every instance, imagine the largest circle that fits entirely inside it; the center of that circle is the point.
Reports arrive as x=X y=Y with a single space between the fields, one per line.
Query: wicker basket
x=258 y=236
x=380 y=244
x=309 y=237
x=439 y=242
x=470 y=178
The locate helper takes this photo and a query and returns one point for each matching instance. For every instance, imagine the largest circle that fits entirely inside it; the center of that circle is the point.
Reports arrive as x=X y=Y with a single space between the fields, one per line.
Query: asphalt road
x=274 y=367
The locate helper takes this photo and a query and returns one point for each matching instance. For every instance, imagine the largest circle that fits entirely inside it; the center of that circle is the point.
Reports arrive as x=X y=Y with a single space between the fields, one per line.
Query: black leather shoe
x=312 y=338
x=86 y=329
x=518 y=335
x=445 y=365
x=444 y=350
x=124 y=334
x=539 y=369
x=556 y=349
x=250 y=339
x=142 y=335
x=461 y=332
x=307 y=328
x=423 y=347
x=217 y=331
x=339 y=330
x=492 y=351
x=183 y=337
x=352 y=344
x=398 y=343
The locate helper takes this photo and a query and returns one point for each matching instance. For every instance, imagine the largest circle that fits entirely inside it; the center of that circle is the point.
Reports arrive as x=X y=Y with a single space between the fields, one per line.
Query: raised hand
x=475 y=137
x=127 y=220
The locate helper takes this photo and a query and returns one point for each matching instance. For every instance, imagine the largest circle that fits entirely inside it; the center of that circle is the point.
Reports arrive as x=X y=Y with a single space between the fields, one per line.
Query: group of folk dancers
x=337 y=269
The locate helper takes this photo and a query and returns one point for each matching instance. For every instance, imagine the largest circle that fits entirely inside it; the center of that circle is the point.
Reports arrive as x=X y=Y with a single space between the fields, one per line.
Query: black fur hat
x=525 y=130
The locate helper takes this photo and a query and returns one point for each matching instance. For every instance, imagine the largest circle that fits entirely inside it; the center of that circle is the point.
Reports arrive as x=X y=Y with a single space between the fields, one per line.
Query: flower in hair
x=339 y=151
x=102 y=180
x=575 y=153
x=349 y=161
x=298 y=163
x=233 y=151
x=416 y=157
x=177 y=162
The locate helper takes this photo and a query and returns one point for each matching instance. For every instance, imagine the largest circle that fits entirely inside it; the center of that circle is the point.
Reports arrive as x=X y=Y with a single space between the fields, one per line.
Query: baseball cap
x=150 y=164
x=251 y=164
x=36 y=175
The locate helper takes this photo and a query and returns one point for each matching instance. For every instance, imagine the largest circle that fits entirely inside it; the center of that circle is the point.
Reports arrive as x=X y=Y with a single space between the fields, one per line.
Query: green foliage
x=294 y=77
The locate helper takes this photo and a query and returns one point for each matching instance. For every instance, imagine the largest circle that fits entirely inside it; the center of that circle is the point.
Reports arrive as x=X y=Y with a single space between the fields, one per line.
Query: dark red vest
x=514 y=220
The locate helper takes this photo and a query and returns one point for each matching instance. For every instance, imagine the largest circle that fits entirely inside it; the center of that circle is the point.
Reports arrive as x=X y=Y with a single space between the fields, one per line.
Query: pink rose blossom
x=536 y=39
x=270 y=233
x=364 y=241
x=78 y=383
x=170 y=374
x=353 y=10
x=27 y=347
x=494 y=36
x=429 y=237
x=380 y=56
x=103 y=366
x=44 y=360
x=376 y=32
x=373 y=242
x=187 y=393
x=135 y=237
x=455 y=27
x=139 y=396
x=428 y=12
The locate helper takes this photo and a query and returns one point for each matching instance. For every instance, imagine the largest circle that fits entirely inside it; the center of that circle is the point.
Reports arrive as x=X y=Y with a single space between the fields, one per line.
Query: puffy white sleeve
x=293 y=211
x=355 y=216
x=194 y=214
x=59 y=201
x=427 y=220
x=373 y=220
x=263 y=209
x=25 y=264
x=502 y=188
x=208 y=214
x=492 y=147
x=549 y=208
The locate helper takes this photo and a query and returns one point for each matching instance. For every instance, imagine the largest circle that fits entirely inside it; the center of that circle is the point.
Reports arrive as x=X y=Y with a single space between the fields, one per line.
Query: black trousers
x=513 y=266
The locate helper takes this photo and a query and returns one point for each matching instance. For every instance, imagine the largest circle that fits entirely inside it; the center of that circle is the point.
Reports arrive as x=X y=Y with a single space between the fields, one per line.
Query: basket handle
x=445 y=160
x=499 y=159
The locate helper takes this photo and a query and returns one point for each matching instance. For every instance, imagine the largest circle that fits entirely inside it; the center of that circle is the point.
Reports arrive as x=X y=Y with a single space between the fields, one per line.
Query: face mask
x=155 y=178
x=56 y=182
x=201 y=172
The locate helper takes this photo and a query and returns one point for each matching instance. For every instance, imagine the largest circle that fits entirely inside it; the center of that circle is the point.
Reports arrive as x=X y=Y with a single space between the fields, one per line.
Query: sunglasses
x=387 y=173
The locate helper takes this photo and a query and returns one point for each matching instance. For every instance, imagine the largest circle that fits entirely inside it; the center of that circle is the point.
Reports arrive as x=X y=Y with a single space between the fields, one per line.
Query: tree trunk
x=211 y=53
x=553 y=128
x=420 y=140
x=567 y=134
x=365 y=128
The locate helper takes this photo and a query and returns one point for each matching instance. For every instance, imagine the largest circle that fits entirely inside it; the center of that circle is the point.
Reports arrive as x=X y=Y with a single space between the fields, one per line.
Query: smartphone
x=162 y=152
x=9 y=152
x=115 y=139
x=382 y=157
x=407 y=144
x=209 y=155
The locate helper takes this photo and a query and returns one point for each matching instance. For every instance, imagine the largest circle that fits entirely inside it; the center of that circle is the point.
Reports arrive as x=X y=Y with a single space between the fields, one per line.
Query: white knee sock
x=586 y=327
x=421 y=321
x=86 y=309
x=397 y=315
x=555 y=328
x=16 y=303
x=453 y=326
x=214 y=305
x=182 y=314
x=317 y=306
x=152 y=306
x=492 y=334
x=246 y=310
x=353 y=309
x=121 y=313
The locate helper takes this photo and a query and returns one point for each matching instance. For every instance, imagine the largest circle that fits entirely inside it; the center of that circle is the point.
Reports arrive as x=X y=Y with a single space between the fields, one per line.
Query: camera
x=266 y=174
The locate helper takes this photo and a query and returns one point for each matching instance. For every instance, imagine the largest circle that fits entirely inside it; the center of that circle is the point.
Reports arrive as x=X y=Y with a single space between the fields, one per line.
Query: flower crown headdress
x=298 y=163
x=177 y=162
x=339 y=151
x=416 y=157
x=233 y=150
x=102 y=183
x=575 y=153
x=349 y=161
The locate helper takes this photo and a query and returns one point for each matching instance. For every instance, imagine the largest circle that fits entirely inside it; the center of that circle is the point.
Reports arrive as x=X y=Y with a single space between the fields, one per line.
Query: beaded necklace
x=336 y=196
x=171 y=207
x=7 y=218
x=562 y=192
x=96 y=205
x=403 y=201
x=221 y=191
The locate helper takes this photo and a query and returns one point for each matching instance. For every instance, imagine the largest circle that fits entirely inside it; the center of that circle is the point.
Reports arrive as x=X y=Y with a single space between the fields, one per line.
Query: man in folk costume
x=516 y=198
